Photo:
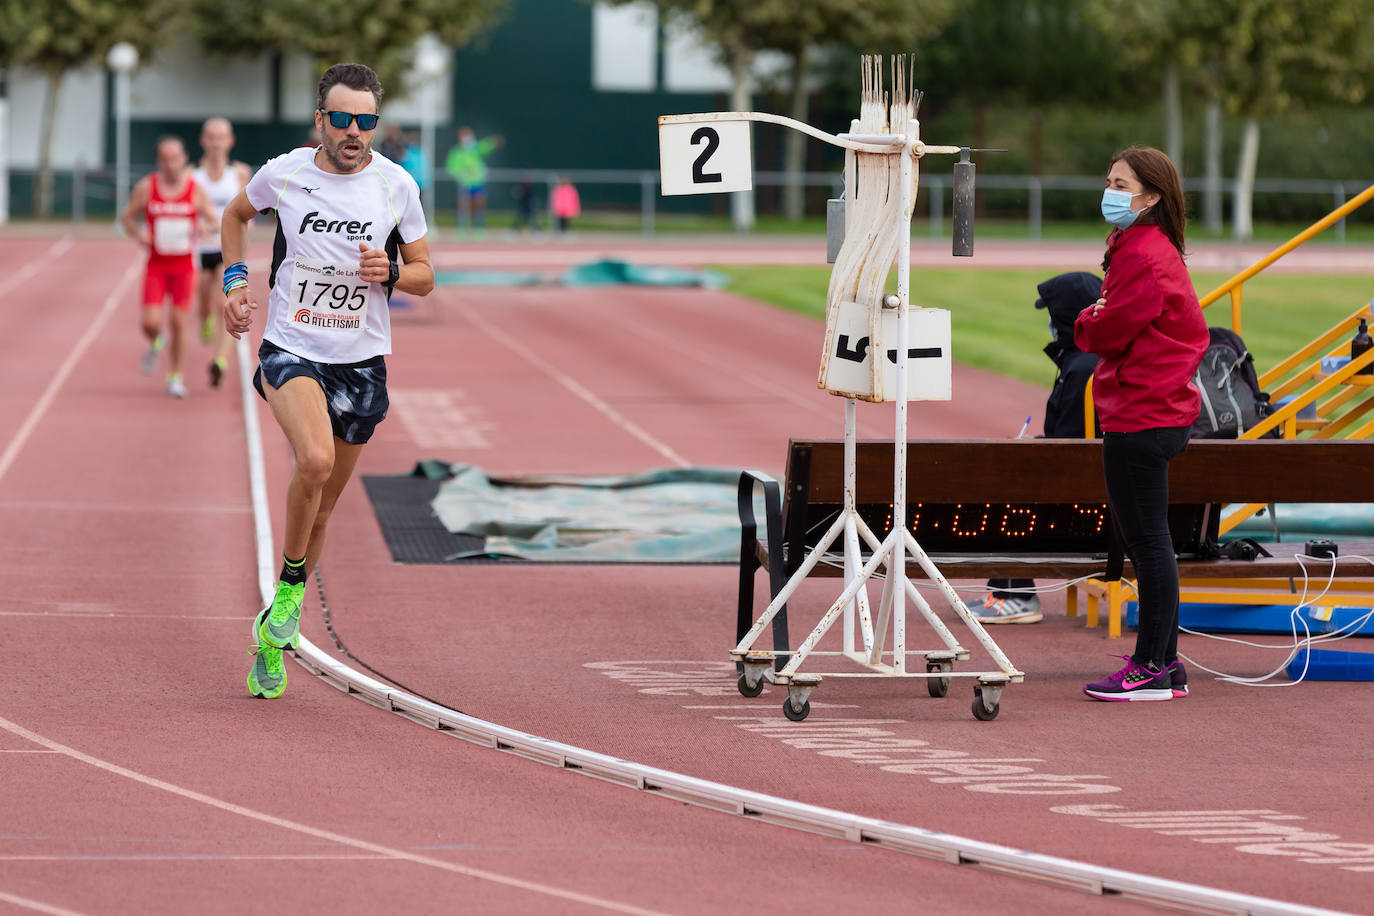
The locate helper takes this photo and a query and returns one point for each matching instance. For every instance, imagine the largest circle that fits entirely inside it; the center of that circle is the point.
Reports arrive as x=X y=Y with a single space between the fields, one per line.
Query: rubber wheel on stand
x=980 y=711
x=792 y=714
x=748 y=691
x=938 y=686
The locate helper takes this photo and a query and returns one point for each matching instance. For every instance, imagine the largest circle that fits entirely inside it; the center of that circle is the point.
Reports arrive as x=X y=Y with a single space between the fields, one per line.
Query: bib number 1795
x=317 y=293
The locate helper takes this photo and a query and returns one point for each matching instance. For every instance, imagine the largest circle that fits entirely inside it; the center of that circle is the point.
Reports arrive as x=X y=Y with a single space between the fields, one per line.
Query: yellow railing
x=1235 y=284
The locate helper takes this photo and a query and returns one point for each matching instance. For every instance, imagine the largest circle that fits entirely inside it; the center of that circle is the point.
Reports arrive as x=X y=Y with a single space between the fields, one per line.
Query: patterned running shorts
x=355 y=393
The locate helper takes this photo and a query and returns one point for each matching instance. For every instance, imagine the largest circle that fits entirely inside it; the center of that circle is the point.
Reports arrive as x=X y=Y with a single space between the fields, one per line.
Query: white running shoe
x=176 y=387
x=149 y=361
x=1016 y=609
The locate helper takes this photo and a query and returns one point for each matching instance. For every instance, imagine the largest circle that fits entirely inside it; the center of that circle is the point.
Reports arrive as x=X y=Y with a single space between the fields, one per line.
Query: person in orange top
x=1149 y=331
x=163 y=214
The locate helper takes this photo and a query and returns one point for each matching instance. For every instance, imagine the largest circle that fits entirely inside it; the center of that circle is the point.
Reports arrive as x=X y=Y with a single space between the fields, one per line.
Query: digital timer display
x=1014 y=528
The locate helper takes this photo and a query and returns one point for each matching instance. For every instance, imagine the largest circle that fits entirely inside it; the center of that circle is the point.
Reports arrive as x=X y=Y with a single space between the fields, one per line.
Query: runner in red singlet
x=164 y=212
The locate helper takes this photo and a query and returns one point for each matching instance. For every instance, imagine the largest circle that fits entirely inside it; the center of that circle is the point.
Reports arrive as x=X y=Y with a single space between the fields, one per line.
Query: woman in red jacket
x=1150 y=334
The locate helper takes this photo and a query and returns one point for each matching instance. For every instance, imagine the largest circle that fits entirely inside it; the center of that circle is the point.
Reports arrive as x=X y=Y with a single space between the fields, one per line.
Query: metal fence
x=81 y=193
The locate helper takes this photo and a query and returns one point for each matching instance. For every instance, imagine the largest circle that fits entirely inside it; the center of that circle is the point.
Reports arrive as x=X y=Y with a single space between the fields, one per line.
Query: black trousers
x=1136 y=468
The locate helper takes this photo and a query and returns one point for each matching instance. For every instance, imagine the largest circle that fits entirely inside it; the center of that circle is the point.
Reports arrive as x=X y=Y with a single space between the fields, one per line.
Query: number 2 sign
x=697 y=157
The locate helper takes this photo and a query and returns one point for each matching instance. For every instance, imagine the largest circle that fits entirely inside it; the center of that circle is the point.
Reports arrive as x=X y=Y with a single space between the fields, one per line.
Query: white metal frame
x=891 y=553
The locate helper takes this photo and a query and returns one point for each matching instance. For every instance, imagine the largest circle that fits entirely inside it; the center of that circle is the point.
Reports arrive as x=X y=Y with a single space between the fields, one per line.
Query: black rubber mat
x=412 y=531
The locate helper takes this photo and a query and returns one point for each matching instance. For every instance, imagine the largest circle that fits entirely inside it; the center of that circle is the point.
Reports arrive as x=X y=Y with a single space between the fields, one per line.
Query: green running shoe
x=281 y=629
x=267 y=678
x=207 y=330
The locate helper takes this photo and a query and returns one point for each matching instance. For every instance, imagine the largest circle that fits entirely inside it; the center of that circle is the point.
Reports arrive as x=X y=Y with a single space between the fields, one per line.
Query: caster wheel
x=981 y=712
x=748 y=691
x=938 y=686
x=792 y=714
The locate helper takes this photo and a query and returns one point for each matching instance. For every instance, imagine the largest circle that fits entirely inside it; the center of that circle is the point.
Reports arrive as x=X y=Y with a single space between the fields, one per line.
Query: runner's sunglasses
x=341 y=120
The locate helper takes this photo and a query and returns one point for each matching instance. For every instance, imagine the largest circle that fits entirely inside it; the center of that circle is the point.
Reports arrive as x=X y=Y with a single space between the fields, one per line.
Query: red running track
x=138 y=776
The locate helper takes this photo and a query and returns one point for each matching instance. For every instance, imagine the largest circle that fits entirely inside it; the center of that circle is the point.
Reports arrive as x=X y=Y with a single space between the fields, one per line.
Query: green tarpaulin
x=687 y=515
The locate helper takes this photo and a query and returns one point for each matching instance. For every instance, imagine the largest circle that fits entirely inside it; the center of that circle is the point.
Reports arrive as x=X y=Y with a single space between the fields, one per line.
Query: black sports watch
x=395 y=272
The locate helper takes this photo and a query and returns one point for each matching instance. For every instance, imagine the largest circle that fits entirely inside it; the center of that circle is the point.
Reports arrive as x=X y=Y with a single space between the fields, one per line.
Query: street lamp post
x=431 y=61
x=122 y=59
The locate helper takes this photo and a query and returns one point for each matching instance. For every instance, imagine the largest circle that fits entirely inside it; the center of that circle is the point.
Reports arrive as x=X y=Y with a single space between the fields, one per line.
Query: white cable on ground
x=830 y=822
x=1295 y=617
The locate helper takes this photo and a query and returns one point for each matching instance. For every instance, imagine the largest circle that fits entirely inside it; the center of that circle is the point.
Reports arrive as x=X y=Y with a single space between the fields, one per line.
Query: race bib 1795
x=328 y=295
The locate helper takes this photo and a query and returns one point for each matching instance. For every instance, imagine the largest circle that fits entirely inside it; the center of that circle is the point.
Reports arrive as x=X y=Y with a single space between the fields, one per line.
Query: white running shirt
x=220 y=193
x=319 y=309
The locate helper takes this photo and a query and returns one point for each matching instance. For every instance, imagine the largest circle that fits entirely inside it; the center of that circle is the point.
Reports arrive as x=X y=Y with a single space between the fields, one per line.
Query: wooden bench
x=996 y=501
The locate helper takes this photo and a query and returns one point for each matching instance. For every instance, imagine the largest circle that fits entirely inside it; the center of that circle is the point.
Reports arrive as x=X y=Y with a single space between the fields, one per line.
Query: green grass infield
x=997 y=327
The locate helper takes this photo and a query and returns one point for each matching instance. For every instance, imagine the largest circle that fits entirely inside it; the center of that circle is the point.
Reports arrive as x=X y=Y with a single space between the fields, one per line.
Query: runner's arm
x=132 y=216
x=416 y=273
x=233 y=228
x=245 y=173
x=233 y=241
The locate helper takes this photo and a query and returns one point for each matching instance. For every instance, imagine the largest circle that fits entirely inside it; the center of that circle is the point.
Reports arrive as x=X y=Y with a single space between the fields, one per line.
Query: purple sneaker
x=1133 y=682
x=1178 y=676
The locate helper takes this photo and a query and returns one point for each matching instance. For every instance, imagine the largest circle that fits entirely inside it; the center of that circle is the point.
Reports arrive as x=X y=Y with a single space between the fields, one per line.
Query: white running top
x=319 y=309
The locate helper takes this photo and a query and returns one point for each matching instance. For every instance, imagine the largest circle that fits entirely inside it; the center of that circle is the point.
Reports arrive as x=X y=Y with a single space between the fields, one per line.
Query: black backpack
x=1231 y=398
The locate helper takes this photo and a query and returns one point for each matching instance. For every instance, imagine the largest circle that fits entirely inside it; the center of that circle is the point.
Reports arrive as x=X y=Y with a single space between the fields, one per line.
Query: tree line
x=56 y=37
x=1246 y=58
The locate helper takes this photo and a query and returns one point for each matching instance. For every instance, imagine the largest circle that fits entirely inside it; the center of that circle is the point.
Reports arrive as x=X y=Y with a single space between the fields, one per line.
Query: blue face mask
x=1116 y=207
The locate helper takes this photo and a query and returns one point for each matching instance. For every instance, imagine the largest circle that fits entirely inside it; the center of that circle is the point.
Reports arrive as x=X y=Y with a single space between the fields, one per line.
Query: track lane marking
x=37 y=906
x=572 y=385
x=107 y=615
x=35 y=415
x=297 y=827
x=28 y=271
x=752 y=379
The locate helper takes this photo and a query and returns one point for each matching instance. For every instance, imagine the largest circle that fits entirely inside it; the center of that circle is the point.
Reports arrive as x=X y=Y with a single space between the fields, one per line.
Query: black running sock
x=293 y=571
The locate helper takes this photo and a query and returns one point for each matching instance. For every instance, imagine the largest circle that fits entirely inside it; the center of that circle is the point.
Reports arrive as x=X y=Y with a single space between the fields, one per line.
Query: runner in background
x=162 y=215
x=221 y=180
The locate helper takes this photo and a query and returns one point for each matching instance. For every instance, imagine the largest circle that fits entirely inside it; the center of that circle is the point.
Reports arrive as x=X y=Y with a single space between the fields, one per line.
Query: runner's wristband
x=235 y=276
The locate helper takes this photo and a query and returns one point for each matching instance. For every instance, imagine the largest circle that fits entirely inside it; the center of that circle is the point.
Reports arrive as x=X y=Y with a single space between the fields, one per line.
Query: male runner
x=222 y=181
x=344 y=214
x=168 y=202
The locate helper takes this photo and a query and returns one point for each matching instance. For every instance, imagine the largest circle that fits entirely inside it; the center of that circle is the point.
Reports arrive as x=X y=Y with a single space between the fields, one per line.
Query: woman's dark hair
x=354 y=76
x=1156 y=173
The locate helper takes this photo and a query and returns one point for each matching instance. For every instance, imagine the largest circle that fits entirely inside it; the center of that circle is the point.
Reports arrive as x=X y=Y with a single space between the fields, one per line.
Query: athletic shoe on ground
x=175 y=386
x=1016 y=609
x=282 y=625
x=207 y=330
x=1178 y=677
x=149 y=362
x=216 y=374
x=1133 y=682
x=267 y=678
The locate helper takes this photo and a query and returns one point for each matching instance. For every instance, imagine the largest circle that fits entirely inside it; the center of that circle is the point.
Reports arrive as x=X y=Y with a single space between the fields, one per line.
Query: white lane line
x=195 y=858
x=106 y=615
x=742 y=376
x=45 y=400
x=58 y=506
x=297 y=827
x=28 y=271
x=615 y=416
x=36 y=906
x=25 y=750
